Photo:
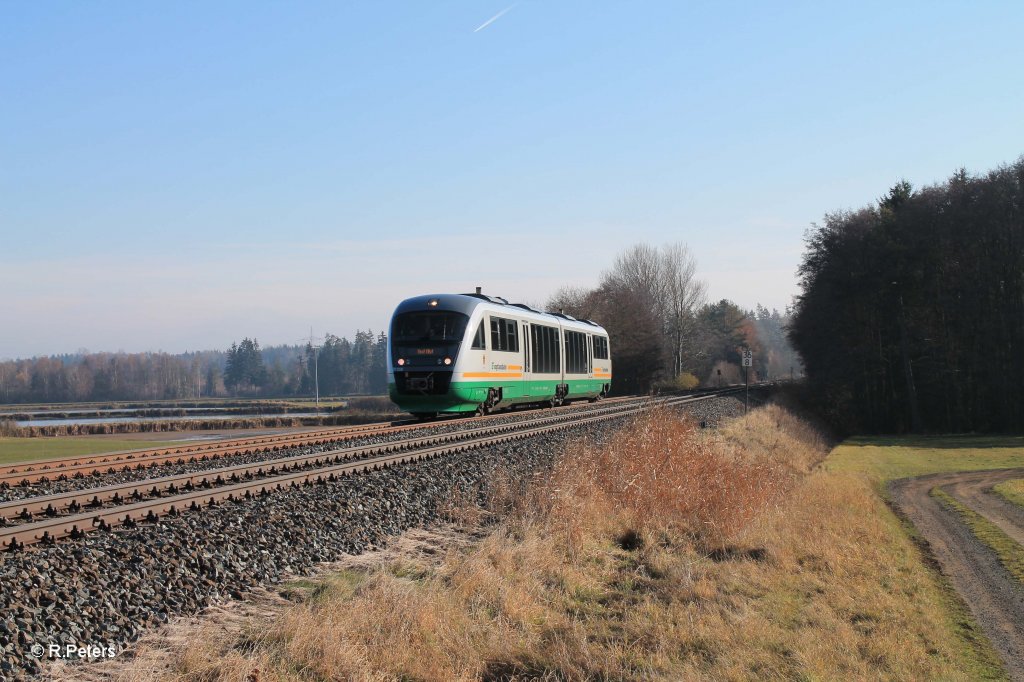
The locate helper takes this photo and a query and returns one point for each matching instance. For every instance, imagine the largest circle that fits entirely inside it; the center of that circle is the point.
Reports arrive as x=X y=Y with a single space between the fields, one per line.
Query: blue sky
x=179 y=175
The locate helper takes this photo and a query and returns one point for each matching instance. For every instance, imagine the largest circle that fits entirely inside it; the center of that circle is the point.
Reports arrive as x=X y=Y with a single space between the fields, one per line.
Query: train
x=474 y=353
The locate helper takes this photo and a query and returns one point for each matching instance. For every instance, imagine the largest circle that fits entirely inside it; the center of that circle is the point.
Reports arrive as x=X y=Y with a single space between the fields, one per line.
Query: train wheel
x=424 y=416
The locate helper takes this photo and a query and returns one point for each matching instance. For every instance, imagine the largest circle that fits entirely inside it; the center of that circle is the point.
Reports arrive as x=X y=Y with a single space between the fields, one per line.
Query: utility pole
x=316 y=370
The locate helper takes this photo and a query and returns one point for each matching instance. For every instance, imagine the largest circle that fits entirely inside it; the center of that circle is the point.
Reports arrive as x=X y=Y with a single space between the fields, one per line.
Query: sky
x=177 y=176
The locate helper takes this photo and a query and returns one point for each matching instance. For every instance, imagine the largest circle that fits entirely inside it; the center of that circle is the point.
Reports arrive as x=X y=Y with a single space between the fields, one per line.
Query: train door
x=527 y=367
x=590 y=357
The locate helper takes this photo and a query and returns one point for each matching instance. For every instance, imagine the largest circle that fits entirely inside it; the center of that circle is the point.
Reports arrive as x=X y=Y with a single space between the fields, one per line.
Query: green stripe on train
x=465 y=396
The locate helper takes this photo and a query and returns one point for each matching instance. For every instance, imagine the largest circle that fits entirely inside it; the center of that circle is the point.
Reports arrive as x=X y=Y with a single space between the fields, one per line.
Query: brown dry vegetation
x=666 y=553
x=343 y=419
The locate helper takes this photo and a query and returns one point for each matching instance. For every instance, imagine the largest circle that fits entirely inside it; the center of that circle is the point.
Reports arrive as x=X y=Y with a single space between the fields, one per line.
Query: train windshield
x=428 y=328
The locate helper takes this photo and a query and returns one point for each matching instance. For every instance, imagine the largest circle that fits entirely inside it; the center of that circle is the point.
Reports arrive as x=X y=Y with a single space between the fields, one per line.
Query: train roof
x=467 y=303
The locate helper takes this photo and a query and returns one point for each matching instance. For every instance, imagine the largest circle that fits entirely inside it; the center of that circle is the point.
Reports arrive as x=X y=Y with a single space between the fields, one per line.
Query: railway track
x=26 y=473
x=171 y=495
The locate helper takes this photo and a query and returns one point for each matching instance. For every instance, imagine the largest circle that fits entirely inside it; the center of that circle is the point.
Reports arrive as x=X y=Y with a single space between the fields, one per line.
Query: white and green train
x=474 y=353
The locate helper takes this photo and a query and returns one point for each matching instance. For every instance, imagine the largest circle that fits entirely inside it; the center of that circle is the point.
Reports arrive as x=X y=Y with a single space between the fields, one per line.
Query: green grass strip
x=26 y=449
x=1012 y=491
x=1010 y=554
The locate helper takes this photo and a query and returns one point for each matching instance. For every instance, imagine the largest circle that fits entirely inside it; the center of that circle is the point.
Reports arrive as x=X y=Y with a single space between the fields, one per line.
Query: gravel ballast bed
x=106 y=588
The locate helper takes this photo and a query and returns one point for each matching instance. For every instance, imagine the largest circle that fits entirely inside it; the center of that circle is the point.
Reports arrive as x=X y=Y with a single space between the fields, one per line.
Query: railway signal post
x=748 y=361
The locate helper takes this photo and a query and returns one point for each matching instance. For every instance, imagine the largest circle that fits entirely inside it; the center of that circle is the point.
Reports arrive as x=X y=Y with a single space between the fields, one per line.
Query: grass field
x=1011 y=491
x=887 y=458
x=664 y=554
x=25 y=449
x=325 y=402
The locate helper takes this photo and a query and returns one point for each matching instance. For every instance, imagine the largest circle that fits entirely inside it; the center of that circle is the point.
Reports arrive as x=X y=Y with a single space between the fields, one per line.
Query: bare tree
x=639 y=270
x=683 y=295
x=648 y=302
x=575 y=301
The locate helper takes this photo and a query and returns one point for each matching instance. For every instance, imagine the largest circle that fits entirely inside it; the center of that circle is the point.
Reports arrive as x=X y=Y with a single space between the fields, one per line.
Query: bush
x=660 y=476
x=687 y=381
x=683 y=382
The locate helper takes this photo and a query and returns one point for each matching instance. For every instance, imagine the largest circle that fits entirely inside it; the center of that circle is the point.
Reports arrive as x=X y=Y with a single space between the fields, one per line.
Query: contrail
x=494 y=18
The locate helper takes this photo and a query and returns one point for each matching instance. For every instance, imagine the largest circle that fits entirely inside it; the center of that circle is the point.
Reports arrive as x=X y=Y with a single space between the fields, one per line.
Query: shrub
x=661 y=476
x=683 y=382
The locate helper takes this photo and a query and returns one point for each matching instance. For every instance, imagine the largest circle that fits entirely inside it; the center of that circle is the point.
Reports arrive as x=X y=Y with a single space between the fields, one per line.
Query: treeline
x=342 y=366
x=911 y=316
x=664 y=334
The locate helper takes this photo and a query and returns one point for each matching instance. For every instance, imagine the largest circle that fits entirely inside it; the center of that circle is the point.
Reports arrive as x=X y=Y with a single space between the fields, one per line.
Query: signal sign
x=748 y=358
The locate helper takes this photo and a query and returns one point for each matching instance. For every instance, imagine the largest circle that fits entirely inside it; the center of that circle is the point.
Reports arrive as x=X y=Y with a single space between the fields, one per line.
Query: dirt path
x=995 y=598
x=975 y=491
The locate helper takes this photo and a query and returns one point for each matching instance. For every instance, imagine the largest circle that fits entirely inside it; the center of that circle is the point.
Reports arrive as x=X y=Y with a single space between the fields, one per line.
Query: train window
x=546 y=358
x=504 y=335
x=431 y=327
x=600 y=348
x=478 y=340
x=576 y=360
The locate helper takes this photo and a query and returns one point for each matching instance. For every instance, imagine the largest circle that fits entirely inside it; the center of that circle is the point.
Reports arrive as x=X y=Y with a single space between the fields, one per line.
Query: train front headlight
x=401 y=362
x=447 y=361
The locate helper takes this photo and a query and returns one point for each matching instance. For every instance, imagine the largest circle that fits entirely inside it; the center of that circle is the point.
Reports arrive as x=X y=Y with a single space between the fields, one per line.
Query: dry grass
x=667 y=553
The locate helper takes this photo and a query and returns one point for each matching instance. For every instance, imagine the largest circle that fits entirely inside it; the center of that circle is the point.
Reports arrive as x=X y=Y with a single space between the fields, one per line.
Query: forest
x=343 y=367
x=911 y=311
